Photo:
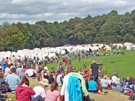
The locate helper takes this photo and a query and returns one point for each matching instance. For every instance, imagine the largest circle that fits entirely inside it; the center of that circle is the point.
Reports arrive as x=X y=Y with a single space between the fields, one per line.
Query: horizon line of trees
x=107 y=28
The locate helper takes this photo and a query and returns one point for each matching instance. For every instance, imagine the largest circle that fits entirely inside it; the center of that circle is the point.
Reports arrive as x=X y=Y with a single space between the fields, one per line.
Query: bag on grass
x=4 y=87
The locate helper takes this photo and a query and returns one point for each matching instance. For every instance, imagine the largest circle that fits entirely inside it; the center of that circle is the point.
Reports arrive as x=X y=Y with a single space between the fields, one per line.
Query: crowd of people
x=16 y=73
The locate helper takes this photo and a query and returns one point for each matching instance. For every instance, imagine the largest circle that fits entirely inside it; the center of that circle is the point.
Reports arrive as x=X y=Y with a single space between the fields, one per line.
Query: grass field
x=111 y=95
x=124 y=63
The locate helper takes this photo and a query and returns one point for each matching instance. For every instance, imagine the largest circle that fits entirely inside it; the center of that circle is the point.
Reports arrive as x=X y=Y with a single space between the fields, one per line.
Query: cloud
x=59 y=10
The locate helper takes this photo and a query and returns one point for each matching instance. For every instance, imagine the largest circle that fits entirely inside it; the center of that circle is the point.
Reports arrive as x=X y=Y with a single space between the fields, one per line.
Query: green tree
x=12 y=39
x=129 y=38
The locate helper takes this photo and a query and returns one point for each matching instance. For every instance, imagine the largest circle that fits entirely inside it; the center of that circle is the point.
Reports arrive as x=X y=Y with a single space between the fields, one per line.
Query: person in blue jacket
x=3 y=63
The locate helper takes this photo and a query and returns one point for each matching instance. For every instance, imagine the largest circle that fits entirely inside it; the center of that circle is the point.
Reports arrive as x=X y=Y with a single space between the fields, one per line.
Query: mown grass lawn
x=125 y=64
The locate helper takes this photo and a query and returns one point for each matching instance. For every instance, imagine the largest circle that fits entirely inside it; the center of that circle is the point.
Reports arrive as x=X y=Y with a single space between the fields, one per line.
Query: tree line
x=107 y=28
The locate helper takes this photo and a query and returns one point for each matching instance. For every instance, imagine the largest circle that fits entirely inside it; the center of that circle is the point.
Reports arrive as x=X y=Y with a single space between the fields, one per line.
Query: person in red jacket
x=23 y=92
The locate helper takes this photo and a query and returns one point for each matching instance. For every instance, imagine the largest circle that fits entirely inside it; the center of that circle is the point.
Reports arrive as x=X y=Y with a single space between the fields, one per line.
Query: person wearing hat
x=40 y=90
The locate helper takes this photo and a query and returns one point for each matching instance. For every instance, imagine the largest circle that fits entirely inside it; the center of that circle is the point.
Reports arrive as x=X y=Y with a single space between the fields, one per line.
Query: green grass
x=111 y=95
x=125 y=64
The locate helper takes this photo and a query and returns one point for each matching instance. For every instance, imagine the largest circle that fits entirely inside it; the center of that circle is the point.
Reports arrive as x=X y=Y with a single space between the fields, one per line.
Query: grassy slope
x=111 y=96
x=124 y=63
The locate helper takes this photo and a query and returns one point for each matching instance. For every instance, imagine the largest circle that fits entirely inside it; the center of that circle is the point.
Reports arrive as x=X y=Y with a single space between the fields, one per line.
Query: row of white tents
x=51 y=51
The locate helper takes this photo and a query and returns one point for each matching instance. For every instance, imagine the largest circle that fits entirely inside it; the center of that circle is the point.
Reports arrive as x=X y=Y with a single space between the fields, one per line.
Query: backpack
x=132 y=97
x=4 y=87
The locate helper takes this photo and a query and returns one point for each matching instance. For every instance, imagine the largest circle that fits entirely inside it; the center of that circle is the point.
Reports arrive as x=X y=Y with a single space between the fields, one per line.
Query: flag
x=64 y=61
x=106 y=49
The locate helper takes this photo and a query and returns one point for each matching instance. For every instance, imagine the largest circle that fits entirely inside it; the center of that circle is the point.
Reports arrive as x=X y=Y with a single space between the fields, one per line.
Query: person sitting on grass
x=128 y=85
x=122 y=83
x=88 y=74
x=24 y=68
x=23 y=92
x=52 y=77
x=53 y=94
x=60 y=78
x=30 y=72
x=92 y=85
x=19 y=72
x=86 y=81
x=7 y=70
x=45 y=75
x=13 y=80
x=40 y=90
x=104 y=83
x=114 y=80
x=2 y=78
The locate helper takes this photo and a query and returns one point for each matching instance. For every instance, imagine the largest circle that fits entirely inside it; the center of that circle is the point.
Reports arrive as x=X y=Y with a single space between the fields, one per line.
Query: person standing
x=79 y=56
x=61 y=67
x=94 y=68
x=6 y=61
x=13 y=60
x=3 y=63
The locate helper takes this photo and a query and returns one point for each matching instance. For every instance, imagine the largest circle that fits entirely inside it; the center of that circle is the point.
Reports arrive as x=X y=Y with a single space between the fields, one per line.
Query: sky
x=32 y=11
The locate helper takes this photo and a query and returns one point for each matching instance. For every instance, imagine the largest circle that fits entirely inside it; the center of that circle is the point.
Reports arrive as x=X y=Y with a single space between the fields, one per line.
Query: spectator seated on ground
x=104 y=83
x=60 y=78
x=86 y=81
x=114 y=80
x=23 y=92
x=52 y=77
x=58 y=73
x=88 y=74
x=114 y=51
x=122 y=83
x=7 y=70
x=111 y=53
x=121 y=88
x=118 y=51
x=2 y=79
x=45 y=75
x=30 y=72
x=13 y=80
x=40 y=90
x=1 y=70
x=97 y=54
x=20 y=72
x=130 y=81
x=92 y=85
x=24 y=68
x=53 y=94
x=109 y=80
